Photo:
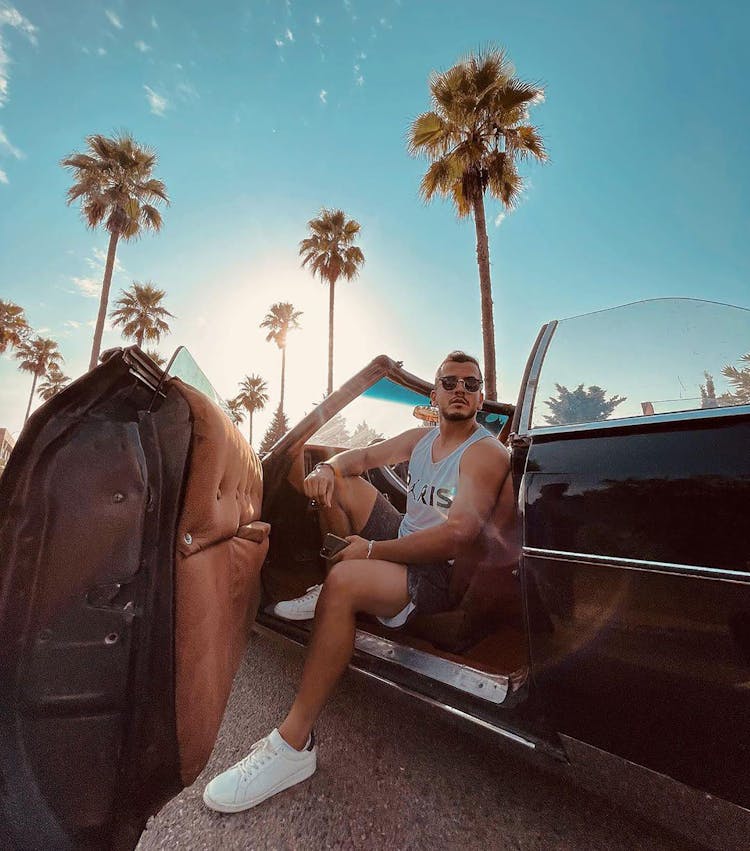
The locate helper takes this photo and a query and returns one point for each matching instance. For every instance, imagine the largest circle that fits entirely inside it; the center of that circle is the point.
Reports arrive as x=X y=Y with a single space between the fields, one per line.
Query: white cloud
x=89 y=287
x=187 y=92
x=323 y=96
x=142 y=46
x=5 y=144
x=3 y=177
x=499 y=219
x=154 y=23
x=10 y=17
x=289 y=35
x=71 y=323
x=100 y=51
x=157 y=103
x=278 y=42
x=113 y=19
x=317 y=20
x=359 y=80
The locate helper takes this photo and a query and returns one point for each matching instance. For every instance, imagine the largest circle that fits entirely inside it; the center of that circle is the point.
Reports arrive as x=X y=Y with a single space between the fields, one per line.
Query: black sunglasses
x=471 y=384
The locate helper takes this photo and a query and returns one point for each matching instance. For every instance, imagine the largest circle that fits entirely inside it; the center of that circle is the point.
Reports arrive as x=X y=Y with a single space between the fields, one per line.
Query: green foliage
x=113 y=181
x=234 y=409
x=333 y=433
x=37 y=356
x=580 y=405
x=363 y=436
x=477 y=131
x=740 y=381
x=14 y=329
x=276 y=430
x=54 y=381
x=279 y=321
x=141 y=314
x=329 y=251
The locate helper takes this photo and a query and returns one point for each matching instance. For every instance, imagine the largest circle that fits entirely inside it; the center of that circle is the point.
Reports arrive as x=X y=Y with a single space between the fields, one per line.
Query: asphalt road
x=392 y=774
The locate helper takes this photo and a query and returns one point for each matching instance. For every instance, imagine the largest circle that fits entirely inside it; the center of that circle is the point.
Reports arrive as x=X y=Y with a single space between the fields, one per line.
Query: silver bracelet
x=369 y=549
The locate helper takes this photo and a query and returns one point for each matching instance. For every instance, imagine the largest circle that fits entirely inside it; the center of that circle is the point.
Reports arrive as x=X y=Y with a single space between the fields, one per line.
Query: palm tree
x=14 y=329
x=253 y=396
x=330 y=254
x=141 y=314
x=158 y=359
x=234 y=410
x=280 y=320
x=474 y=136
x=54 y=382
x=37 y=357
x=113 y=181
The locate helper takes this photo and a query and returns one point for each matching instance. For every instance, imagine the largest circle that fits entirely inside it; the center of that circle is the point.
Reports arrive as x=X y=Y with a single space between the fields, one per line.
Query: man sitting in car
x=393 y=565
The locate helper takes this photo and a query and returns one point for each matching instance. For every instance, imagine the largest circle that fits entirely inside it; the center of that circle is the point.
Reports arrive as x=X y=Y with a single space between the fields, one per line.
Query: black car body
x=612 y=620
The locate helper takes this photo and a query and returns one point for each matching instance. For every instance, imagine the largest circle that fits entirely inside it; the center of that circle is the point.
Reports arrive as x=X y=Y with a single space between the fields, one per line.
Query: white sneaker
x=270 y=767
x=301 y=608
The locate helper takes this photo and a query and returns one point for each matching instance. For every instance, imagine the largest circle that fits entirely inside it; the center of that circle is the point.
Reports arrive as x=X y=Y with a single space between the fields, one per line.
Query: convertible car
x=142 y=539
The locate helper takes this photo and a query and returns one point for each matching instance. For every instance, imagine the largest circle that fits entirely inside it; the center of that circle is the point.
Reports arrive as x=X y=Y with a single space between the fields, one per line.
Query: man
x=391 y=567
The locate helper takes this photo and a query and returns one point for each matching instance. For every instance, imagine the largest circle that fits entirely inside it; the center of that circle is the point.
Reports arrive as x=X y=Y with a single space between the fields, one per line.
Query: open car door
x=130 y=564
x=631 y=451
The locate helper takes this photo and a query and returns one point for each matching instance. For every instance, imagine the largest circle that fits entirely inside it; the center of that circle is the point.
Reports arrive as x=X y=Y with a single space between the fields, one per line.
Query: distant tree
x=581 y=406
x=474 y=136
x=708 y=392
x=253 y=396
x=141 y=314
x=333 y=433
x=54 y=382
x=37 y=356
x=14 y=329
x=278 y=428
x=235 y=410
x=740 y=381
x=158 y=359
x=113 y=182
x=363 y=436
x=279 y=321
x=330 y=254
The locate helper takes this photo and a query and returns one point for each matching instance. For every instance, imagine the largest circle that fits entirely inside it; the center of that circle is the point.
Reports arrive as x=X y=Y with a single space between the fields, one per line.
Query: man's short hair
x=458 y=357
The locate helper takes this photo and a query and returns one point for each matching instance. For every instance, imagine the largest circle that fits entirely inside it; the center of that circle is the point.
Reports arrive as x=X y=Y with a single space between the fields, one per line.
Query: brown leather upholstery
x=484 y=587
x=220 y=548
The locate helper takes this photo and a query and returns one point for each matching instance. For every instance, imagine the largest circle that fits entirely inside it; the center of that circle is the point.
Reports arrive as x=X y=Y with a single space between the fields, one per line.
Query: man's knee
x=339 y=582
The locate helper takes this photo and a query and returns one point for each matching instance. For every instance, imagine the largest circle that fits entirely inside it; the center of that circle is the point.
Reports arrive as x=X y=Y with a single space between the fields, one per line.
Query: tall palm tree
x=14 y=328
x=474 y=136
x=330 y=254
x=234 y=410
x=54 y=382
x=253 y=396
x=140 y=312
x=113 y=180
x=37 y=357
x=280 y=320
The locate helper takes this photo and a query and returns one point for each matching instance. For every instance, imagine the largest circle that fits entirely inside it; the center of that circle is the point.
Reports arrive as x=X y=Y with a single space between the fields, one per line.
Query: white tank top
x=431 y=487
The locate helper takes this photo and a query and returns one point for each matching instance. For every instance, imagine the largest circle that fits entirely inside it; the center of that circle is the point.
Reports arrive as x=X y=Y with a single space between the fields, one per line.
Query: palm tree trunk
x=31 y=398
x=250 y=441
x=331 y=286
x=104 y=300
x=485 y=290
x=283 y=372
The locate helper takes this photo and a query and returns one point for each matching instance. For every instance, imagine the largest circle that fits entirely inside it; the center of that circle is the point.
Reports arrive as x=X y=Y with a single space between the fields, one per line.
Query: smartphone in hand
x=332 y=544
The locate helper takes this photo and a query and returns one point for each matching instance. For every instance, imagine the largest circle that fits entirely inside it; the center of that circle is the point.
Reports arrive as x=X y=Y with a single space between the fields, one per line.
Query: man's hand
x=357 y=549
x=319 y=485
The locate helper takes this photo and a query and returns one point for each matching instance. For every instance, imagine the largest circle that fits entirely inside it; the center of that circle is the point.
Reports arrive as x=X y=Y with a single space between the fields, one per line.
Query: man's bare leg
x=352 y=502
x=376 y=587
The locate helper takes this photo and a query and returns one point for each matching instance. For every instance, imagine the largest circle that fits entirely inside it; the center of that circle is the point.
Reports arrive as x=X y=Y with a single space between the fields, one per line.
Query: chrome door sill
x=493 y=688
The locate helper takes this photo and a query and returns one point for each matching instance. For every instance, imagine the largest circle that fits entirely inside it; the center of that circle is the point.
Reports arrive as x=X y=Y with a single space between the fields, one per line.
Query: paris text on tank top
x=431 y=487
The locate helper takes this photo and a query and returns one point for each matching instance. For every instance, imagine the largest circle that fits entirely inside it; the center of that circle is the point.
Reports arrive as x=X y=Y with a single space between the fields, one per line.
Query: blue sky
x=263 y=111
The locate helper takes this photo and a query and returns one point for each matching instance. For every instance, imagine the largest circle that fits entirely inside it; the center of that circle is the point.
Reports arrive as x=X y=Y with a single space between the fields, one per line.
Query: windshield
x=647 y=358
x=385 y=410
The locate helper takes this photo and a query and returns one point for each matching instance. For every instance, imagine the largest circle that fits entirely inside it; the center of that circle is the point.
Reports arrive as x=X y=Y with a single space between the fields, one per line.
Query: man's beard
x=458 y=416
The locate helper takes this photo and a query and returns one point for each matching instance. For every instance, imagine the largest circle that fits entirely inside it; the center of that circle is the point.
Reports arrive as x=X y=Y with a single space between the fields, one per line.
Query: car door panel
x=636 y=572
x=115 y=634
